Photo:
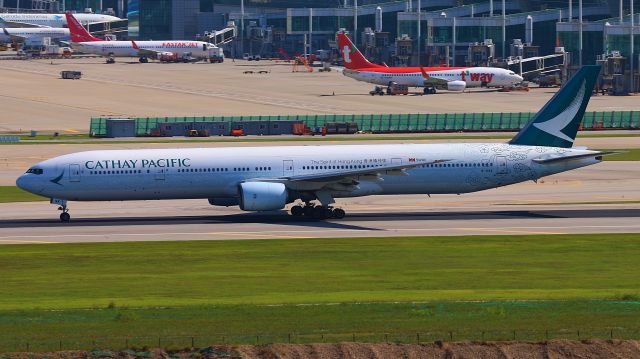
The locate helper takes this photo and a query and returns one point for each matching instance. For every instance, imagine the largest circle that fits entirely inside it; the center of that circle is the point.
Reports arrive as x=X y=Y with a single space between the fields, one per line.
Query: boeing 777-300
x=269 y=178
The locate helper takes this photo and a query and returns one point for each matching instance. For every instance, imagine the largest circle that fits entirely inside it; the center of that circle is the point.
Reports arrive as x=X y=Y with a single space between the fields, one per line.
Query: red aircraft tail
x=77 y=31
x=353 y=58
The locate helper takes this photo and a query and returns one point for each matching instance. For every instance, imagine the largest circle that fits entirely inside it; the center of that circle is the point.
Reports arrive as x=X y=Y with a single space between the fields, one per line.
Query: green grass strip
x=541 y=286
x=147 y=274
x=15 y=194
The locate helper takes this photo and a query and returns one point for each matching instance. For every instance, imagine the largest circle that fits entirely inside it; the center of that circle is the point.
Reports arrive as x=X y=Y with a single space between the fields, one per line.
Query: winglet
x=424 y=73
x=135 y=46
x=556 y=124
x=77 y=31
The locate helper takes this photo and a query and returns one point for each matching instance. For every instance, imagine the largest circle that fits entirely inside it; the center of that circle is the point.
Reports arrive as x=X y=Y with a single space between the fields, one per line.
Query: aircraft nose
x=28 y=183
x=21 y=182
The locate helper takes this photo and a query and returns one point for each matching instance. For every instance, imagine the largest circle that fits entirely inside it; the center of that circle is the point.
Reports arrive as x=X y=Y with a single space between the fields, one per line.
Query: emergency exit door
x=74 y=173
x=501 y=162
x=287 y=168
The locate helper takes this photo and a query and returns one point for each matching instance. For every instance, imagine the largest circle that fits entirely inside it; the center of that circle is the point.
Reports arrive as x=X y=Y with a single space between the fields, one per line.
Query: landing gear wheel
x=144 y=60
x=111 y=60
x=338 y=213
x=297 y=211
x=65 y=217
x=308 y=210
x=319 y=212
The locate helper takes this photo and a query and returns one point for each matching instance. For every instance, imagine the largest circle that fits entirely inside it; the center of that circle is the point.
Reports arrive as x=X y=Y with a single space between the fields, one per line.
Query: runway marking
x=249 y=234
x=297 y=234
x=10 y=241
x=510 y=231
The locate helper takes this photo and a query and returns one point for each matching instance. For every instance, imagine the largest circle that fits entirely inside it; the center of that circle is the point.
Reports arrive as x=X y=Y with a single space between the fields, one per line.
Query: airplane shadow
x=350 y=222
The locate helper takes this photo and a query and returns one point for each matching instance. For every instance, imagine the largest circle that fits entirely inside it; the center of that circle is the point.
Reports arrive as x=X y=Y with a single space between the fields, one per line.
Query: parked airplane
x=19 y=34
x=87 y=43
x=51 y=20
x=268 y=178
x=431 y=78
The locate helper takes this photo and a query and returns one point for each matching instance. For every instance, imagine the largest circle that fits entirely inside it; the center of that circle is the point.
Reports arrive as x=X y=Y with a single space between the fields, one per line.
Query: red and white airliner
x=431 y=78
x=83 y=41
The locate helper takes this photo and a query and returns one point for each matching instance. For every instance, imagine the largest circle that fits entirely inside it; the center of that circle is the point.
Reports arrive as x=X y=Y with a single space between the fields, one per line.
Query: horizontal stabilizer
x=554 y=158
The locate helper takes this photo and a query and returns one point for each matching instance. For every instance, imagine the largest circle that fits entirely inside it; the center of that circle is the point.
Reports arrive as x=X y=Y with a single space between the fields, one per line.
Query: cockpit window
x=35 y=171
x=511 y=73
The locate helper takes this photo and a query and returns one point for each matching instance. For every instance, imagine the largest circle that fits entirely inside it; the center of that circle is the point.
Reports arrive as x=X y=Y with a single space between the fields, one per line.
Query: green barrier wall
x=431 y=122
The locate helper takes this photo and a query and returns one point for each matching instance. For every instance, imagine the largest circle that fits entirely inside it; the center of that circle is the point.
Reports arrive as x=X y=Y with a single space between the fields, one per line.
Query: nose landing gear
x=64 y=216
x=317 y=212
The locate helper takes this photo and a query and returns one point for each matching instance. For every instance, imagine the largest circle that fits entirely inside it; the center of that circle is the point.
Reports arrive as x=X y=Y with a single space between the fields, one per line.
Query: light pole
x=504 y=30
x=580 y=33
x=631 y=52
x=242 y=28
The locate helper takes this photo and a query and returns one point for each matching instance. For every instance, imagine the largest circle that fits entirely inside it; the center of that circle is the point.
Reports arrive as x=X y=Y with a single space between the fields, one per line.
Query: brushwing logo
x=555 y=125
x=346 y=53
x=57 y=179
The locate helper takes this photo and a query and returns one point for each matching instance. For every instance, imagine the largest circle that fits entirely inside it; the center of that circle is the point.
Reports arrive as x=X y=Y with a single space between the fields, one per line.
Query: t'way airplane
x=22 y=34
x=431 y=78
x=51 y=20
x=87 y=43
x=268 y=178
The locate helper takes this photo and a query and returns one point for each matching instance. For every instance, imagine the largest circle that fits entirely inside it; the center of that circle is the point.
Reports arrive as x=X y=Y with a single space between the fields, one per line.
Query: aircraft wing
x=145 y=52
x=346 y=178
x=559 y=158
x=437 y=82
x=14 y=38
x=10 y=24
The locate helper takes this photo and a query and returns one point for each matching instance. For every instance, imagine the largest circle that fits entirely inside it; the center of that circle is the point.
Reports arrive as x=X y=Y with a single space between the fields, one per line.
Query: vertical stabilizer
x=556 y=125
x=352 y=57
x=77 y=31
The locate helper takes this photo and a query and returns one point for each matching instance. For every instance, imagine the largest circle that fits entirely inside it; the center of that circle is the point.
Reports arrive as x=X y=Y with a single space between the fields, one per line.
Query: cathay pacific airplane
x=269 y=178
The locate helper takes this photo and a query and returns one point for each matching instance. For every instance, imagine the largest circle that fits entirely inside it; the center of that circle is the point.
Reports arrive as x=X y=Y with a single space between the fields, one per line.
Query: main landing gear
x=143 y=60
x=317 y=212
x=429 y=90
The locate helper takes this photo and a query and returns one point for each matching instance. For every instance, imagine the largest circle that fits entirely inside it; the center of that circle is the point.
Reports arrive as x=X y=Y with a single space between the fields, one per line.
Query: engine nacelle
x=224 y=201
x=262 y=196
x=456 y=85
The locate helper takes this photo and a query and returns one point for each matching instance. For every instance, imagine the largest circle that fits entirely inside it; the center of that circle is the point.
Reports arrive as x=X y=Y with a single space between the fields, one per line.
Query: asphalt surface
x=604 y=198
x=33 y=97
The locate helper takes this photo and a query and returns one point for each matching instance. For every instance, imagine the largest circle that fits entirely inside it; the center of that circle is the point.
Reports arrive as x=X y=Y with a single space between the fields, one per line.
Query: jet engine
x=262 y=196
x=456 y=85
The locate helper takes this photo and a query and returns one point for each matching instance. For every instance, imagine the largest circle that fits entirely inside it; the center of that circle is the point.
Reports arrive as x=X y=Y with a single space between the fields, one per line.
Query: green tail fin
x=556 y=125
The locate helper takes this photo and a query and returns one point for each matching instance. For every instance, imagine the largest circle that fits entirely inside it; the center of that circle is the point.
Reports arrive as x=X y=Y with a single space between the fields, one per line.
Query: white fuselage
x=217 y=172
x=473 y=77
x=59 y=34
x=197 y=49
x=56 y=20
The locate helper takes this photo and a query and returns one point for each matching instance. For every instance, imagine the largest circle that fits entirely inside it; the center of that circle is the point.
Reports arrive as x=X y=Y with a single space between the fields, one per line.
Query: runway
x=599 y=199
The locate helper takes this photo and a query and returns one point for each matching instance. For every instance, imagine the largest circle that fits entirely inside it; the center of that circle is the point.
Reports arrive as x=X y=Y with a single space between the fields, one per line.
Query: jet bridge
x=538 y=64
x=221 y=37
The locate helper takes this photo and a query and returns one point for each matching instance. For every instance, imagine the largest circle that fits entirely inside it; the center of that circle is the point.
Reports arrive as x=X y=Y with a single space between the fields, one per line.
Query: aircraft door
x=501 y=162
x=287 y=168
x=74 y=173
x=160 y=174
x=396 y=161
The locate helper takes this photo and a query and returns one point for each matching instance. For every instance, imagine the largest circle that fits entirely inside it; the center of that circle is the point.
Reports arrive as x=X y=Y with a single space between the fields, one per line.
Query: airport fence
x=394 y=123
x=8 y=344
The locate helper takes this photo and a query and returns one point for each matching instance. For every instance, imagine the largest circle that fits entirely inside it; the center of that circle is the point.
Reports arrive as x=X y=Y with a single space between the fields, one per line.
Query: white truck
x=216 y=55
